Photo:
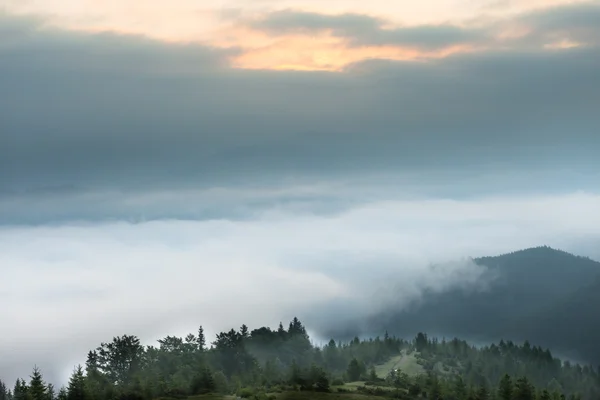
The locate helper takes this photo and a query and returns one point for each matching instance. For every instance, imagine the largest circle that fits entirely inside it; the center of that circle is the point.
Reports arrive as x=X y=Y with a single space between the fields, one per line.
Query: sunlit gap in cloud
x=225 y=25
x=328 y=53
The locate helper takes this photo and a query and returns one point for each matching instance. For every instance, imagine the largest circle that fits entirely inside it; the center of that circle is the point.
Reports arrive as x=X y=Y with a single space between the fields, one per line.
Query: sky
x=169 y=164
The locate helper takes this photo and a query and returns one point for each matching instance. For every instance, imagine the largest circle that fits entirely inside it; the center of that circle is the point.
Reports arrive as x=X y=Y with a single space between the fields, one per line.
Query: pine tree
x=354 y=370
x=76 y=389
x=203 y=382
x=523 y=390
x=20 y=391
x=37 y=387
x=221 y=383
x=95 y=381
x=545 y=395
x=460 y=388
x=62 y=394
x=505 y=388
x=295 y=374
x=421 y=342
x=244 y=332
x=281 y=330
x=3 y=391
x=482 y=393
x=373 y=375
x=201 y=339
x=51 y=393
x=435 y=390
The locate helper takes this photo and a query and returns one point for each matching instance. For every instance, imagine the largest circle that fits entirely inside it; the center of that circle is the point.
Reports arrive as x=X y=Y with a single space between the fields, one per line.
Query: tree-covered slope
x=266 y=364
x=533 y=292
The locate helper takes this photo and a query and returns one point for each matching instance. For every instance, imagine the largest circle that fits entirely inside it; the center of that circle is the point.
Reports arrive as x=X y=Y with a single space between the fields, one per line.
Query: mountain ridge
x=541 y=294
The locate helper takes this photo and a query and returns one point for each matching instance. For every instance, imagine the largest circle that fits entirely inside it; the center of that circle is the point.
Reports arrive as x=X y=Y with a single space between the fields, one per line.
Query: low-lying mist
x=86 y=282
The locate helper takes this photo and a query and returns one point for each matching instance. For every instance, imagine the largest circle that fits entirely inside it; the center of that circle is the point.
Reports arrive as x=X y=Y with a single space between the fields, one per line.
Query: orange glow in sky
x=220 y=23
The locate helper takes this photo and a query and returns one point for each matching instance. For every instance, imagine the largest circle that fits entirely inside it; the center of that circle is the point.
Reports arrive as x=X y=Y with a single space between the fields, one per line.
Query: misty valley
x=540 y=297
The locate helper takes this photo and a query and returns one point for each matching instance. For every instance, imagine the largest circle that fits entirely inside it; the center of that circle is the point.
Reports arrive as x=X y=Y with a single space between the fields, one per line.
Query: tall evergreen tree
x=76 y=388
x=354 y=370
x=482 y=393
x=545 y=395
x=421 y=341
x=37 y=386
x=51 y=393
x=244 y=332
x=281 y=330
x=460 y=388
x=523 y=390
x=201 y=339
x=20 y=391
x=505 y=388
x=3 y=391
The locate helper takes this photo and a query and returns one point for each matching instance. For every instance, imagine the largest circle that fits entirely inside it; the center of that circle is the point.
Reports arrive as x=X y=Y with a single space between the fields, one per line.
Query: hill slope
x=540 y=294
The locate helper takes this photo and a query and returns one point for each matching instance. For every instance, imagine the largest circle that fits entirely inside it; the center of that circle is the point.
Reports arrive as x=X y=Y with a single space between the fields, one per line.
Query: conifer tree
x=3 y=391
x=505 y=388
x=523 y=390
x=201 y=339
x=51 y=393
x=76 y=389
x=37 y=386
x=20 y=391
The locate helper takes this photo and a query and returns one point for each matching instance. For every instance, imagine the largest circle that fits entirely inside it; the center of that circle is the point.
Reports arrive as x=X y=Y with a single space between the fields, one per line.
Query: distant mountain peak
x=539 y=251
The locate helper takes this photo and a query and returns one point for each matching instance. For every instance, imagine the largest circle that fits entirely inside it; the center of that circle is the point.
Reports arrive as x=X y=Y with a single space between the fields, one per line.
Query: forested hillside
x=282 y=363
x=545 y=295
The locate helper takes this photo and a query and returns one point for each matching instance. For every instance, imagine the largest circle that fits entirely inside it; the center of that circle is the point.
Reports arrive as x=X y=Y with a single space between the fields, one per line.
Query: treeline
x=264 y=361
x=488 y=365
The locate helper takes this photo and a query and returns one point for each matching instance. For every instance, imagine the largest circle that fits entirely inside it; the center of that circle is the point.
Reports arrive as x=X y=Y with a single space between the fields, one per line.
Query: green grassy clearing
x=299 y=396
x=407 y=363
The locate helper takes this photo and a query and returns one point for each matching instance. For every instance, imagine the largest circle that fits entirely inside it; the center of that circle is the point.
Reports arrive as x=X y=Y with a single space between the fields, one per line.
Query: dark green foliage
x=355 y=370
x=262 y=361
x=421 y=342
x=203 y=382
x=318 y=379
x=221 y=382
x=21 y=390
x=3 y=391
x=37 y=386
x=201 y=339
x=505 y=388
x=50 y=392
x=373 y=375
x=524 y=390
x=120 y=359
x=460 y=389
x=482 y=393
x=62 y=394
x=76 y=389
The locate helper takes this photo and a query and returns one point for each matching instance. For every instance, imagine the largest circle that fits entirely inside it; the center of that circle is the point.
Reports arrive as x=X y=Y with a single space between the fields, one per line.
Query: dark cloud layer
x=363 y=30
x=574 y=22
x=83 y=112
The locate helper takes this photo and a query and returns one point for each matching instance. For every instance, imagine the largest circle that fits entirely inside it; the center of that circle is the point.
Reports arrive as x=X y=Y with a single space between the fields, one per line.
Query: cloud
x=349 y=38
x=118 y=112
x=297 y=36
x=543 y=28
x=87 y=282
x=364 y=30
